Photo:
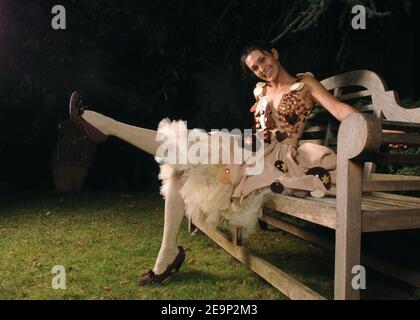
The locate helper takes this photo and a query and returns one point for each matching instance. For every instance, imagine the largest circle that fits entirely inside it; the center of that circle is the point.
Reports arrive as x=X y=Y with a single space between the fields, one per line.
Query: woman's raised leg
x=98 y=127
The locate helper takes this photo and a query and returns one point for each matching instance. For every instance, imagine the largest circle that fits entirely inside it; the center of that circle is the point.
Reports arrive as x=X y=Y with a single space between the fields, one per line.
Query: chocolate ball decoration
x=292 y=118
x=277 y=187
x=280 y=136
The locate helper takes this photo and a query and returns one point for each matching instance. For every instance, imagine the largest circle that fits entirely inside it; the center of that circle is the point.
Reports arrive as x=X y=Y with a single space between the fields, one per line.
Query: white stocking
x=145 y=139
x=174 y=212
x=142 y=138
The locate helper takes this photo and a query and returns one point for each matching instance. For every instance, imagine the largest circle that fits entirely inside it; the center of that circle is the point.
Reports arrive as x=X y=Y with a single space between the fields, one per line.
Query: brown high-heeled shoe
x=149 y=277
x=76 y=111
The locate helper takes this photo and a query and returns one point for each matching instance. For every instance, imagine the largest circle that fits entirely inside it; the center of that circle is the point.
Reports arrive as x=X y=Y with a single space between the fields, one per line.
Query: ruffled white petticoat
x=206 y=198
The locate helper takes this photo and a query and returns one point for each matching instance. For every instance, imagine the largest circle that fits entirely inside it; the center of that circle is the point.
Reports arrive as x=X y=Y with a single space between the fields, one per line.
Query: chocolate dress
x=226 y=194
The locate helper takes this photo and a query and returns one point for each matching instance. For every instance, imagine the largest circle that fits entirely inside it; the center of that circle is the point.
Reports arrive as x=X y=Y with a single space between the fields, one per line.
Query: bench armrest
x=359 y=139
x=359 y=136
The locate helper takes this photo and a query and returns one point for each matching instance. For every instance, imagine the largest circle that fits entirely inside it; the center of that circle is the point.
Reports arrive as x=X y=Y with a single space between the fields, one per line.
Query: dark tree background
x=142 y=60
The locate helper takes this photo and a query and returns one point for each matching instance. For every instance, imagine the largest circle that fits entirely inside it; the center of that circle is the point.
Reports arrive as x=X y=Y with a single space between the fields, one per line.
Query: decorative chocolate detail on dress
x=292 y=109
x=224 y=176
x=251 y=142
x=280 y=165
x=280 y=136
x=259 y=90
x=292 y=119
x=264 y=120
x=277 y=187
x=291 y=113
x=270 y=124
x=322 y=174
x=300 y=75
x=298 y=85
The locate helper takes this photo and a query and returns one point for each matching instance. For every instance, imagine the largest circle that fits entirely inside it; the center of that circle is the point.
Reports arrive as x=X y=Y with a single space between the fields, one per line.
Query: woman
x=226 y=193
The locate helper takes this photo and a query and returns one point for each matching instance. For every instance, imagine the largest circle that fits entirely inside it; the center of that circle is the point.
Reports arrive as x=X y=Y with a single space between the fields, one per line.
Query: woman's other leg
x=174 y=213
x=170 y=255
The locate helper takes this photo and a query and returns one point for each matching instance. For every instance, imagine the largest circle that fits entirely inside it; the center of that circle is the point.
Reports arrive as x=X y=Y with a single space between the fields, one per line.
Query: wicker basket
x=70 y=176
x=72 y=158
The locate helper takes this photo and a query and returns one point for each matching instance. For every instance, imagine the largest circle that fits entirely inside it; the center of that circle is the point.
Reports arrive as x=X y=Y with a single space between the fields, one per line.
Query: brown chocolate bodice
x=282 y=116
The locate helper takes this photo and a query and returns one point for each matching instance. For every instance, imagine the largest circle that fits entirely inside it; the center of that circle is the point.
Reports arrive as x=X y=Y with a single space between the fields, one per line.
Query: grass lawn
x=107 y=240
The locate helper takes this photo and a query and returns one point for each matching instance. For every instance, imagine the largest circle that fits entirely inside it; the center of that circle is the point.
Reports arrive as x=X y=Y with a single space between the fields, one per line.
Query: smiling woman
x=228 y=193
x=263 y=61
x=260 y=59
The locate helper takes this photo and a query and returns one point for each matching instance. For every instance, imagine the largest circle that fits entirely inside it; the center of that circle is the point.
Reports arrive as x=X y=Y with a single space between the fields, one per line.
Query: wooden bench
x=361 y=201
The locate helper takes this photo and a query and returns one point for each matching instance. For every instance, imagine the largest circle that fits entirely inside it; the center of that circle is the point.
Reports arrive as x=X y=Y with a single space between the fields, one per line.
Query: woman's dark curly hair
x=263 y=46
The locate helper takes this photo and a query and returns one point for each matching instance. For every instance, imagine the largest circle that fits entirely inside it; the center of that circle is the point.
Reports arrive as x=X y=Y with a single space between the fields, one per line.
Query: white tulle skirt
x=206 y=198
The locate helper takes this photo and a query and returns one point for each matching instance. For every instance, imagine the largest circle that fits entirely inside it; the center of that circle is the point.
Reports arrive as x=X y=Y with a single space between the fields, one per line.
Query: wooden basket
x=71 y=158
x=69 y=176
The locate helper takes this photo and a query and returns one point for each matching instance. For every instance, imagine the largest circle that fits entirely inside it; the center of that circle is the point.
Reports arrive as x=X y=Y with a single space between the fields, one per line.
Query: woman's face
x=264 y=64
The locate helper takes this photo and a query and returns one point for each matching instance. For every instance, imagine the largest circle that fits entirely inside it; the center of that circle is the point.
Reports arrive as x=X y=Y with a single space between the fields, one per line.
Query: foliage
x=399 y=169
x=141 y=61
x=307 y=14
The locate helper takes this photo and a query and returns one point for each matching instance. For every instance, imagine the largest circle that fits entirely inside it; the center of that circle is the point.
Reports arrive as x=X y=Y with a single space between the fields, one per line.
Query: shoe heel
x=178 y=266
x=181 y=261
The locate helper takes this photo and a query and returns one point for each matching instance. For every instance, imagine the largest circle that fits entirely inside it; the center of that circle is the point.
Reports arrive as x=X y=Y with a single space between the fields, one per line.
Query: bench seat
x=380 y=211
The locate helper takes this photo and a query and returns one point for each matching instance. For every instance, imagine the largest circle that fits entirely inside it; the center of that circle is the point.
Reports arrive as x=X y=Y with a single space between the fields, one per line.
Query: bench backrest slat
x=372 y=96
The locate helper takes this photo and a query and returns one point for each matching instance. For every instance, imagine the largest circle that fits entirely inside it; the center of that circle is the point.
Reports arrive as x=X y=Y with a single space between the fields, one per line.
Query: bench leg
x=263 y=225
x=348 y=231
x=192 y=229
x=237 y=236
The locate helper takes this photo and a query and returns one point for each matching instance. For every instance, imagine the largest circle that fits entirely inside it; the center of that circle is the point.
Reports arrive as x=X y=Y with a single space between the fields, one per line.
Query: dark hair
x=263 y=46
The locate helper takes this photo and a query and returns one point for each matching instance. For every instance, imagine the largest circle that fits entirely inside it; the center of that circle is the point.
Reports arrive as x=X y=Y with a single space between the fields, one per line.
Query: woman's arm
x=321 y=96
x=338 y=109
